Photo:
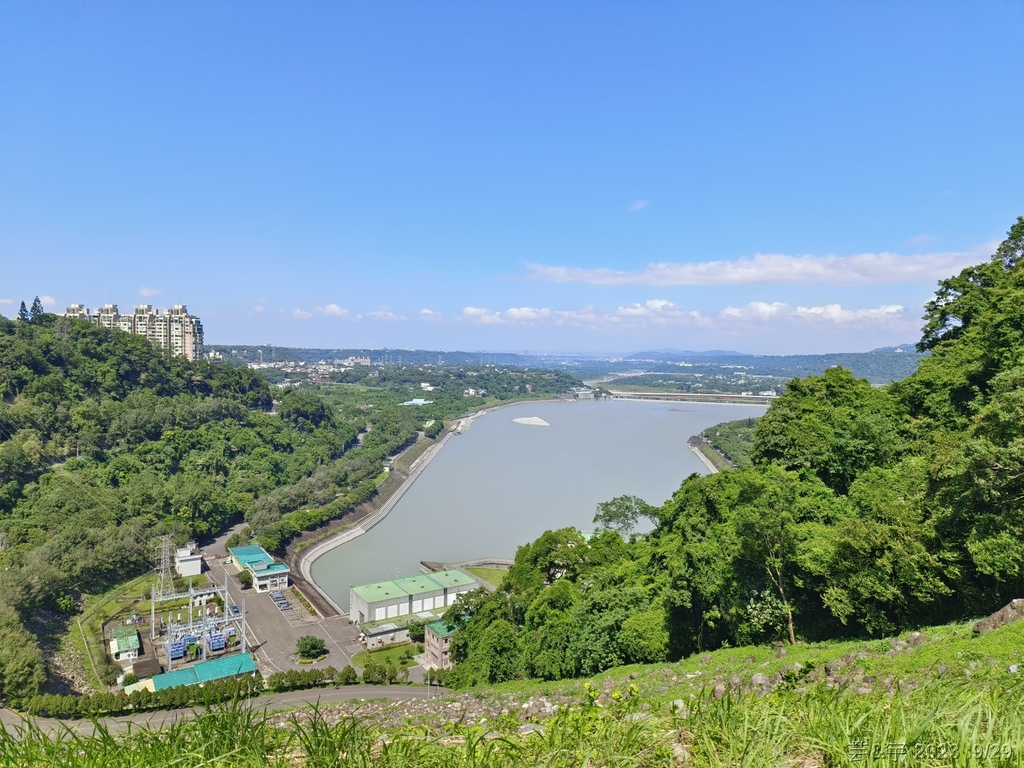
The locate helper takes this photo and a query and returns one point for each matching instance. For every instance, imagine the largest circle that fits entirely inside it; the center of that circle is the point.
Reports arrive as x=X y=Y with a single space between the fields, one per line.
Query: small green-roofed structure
x=124 y=643
x=267 y=574
x=441 y=628
x=250 y=555
x=127 y=643
x=175 y=679
x=437 y=637
x=119 y=632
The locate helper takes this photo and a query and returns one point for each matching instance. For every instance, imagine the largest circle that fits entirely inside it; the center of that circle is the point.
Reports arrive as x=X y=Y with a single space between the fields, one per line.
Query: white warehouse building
x=409 y=596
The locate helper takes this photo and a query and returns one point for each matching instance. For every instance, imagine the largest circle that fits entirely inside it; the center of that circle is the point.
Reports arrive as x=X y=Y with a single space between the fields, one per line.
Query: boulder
x=1006 y=615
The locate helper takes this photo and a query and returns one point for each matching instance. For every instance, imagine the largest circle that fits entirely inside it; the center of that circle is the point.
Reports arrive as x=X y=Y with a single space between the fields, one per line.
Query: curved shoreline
x=704 y=459
x=306 y=558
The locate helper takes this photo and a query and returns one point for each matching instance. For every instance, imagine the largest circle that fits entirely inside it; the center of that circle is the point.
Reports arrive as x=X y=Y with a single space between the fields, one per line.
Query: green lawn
x=394 y=653
x=491 y=575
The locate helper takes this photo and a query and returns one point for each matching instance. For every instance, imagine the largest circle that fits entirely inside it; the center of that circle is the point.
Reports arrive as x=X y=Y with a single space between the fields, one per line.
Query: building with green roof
x=437 y=637
x=124 y=643
x=383 y=610
x=206 y=672
x=267 y=575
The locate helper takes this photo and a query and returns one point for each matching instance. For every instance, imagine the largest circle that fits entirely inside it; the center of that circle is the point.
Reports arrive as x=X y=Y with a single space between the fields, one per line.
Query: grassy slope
x=950 y=701
x=493 y=576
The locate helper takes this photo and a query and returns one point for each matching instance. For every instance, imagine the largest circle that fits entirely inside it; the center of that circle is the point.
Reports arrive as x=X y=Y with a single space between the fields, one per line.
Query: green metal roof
x=250 y=555
x=441 y=628
x=229 y=666
x=382 y=590
x=118 y=632
x=418 y=585
x=127 y=643
x=175 y=679
x=413 y=585
x=453 y=578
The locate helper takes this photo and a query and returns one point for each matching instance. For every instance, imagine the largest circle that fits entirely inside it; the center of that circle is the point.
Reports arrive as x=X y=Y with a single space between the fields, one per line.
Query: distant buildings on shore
x=173 y=330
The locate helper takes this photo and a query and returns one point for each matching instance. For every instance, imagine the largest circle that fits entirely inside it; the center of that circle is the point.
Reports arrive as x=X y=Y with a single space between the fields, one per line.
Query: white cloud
x=333 y=310
x=301 y=314
x=48 y=301
x=661 y=312
x=145 y=293
x=431 y=316
x=638 y=205
x=6 y=302
x=382 y=314
x=828 y=314
x=257 y=309
x=778 y=269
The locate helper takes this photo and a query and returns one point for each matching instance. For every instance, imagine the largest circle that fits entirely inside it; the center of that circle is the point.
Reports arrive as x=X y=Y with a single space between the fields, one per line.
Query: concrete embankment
x=712 y=469
x=304 y=560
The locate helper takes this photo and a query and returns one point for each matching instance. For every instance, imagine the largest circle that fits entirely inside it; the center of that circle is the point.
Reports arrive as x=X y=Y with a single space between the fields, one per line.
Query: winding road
x=12 y=722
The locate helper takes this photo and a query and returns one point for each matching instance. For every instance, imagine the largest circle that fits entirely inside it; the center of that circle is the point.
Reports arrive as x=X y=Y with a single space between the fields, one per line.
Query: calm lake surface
x=502 y=484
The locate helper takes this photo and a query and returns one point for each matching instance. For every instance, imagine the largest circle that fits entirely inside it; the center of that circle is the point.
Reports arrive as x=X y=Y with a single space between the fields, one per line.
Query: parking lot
x=274 y=625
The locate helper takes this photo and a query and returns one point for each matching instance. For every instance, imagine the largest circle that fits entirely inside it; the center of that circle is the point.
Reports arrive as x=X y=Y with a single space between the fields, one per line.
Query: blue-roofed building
x=267 y=575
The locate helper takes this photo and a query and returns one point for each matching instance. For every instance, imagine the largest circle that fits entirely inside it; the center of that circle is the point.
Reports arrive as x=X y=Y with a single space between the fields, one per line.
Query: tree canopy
x=864 y=511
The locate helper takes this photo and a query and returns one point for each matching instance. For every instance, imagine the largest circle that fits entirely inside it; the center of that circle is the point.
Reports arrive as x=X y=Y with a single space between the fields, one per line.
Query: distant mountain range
x=879 y=366
x=682 y=354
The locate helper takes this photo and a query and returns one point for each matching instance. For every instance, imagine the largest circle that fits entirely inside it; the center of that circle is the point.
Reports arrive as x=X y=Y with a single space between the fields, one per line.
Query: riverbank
x=474 y=499
x=704 y=459
x=304 y=559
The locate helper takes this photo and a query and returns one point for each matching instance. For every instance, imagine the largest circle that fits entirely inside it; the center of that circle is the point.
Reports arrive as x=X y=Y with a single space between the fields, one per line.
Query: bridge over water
x=676 y=397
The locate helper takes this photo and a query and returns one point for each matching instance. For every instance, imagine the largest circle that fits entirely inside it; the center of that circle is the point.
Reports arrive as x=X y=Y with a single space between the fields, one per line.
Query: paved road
x=11 y=721
x=272 y=633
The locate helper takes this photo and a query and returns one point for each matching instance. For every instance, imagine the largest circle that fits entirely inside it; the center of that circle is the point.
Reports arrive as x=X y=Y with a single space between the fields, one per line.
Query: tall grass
x=956 y=724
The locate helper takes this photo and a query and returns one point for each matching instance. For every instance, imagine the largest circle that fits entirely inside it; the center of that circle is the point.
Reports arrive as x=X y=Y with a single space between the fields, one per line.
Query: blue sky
x=543 y=176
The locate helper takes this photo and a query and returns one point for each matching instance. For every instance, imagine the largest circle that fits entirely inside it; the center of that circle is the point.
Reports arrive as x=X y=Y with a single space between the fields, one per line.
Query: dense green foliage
x=310 y=647
x=106 y=443
x=109 y=704
x=734 y=440
x=864 y=511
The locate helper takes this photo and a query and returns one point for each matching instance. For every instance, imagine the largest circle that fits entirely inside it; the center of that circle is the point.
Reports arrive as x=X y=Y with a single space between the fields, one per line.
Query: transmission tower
x=165 y=579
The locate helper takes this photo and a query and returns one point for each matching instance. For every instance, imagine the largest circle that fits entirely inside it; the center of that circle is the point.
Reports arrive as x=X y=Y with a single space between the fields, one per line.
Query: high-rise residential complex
x=174 y=329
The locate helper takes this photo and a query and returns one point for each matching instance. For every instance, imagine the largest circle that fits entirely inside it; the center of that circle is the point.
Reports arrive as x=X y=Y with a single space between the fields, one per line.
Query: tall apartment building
x=174 y=330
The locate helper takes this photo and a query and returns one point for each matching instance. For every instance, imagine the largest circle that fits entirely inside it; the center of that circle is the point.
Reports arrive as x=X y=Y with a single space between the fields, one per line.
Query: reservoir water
x=502 y=484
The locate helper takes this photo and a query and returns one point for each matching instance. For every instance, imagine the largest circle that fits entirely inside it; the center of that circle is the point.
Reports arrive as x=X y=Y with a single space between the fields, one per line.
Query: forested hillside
x=106 y=444
x=865 y=511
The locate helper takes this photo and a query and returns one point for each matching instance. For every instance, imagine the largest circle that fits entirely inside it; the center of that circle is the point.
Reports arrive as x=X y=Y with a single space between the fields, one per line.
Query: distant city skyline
x=775 y=178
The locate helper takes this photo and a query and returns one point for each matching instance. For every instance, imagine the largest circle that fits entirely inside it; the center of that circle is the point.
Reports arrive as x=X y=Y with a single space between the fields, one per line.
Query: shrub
x=310 y=647
x=374 y=673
